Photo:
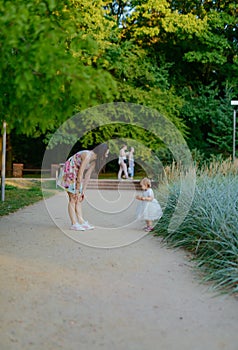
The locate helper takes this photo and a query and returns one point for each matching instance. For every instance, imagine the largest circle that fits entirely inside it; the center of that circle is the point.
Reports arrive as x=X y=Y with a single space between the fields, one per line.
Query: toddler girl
x=148 y=209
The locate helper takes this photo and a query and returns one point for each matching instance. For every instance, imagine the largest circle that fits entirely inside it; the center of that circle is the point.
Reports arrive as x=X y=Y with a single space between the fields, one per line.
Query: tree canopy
x=44 y=63
x=180 y=58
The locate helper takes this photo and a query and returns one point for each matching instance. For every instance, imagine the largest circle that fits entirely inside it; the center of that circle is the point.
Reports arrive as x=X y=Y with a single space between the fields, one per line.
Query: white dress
x=149 y=210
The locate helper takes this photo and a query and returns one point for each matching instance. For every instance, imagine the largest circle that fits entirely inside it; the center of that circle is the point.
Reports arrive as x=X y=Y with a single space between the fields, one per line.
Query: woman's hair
x=100 y=151
x=146 y=182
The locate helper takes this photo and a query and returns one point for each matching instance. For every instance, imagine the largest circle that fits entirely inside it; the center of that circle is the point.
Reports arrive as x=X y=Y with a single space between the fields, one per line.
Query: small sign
x=234 y=102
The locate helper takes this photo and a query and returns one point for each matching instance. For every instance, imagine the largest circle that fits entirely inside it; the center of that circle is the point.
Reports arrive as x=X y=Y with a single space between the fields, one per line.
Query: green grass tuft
x=210 y=229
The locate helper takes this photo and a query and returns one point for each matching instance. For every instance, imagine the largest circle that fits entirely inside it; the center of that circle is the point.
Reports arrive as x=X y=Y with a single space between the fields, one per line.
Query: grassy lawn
x=21 y=193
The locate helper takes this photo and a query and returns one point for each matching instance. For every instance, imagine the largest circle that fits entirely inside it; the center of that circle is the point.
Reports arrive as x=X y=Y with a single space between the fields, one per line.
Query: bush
x=210 y=229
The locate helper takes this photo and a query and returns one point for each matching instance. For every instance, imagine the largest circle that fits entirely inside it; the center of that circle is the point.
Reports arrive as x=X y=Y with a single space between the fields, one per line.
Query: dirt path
x=60 y=292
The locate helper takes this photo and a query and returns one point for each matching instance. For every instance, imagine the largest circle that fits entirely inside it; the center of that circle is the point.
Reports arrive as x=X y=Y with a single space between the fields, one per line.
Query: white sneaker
x=77 y=227
x=87 y=226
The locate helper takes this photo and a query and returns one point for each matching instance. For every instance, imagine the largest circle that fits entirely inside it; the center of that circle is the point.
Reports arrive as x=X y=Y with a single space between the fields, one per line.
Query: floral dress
x=149 y=210
x=68 y=175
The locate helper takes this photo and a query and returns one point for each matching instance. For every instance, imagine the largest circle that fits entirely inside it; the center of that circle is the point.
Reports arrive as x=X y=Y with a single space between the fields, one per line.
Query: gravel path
x=61 y=291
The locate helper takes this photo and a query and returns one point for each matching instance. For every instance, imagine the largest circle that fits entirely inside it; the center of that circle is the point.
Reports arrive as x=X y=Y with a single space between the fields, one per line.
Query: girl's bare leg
x=149 y=223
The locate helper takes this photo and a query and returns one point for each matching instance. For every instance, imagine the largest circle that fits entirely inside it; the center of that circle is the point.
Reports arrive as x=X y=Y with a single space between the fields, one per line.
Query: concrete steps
x=111 y=184
x=104 y=184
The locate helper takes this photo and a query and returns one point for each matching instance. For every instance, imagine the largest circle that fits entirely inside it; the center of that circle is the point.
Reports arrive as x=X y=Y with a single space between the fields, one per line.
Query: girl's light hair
x=146 y=182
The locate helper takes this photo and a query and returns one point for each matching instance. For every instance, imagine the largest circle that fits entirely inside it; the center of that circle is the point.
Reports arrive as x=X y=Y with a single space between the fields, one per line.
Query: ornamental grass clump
x=210 y=229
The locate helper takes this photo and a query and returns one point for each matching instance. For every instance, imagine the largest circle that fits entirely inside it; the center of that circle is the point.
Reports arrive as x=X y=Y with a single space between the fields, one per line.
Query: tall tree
x=42 y=75
x=198 y=42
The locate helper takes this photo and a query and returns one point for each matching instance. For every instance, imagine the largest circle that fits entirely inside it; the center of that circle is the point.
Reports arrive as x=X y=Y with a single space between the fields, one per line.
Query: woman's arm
x=88 y=175
x=123 y=153
x=85 y=160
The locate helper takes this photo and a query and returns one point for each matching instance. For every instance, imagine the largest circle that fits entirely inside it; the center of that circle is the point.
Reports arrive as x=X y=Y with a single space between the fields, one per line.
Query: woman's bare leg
x=125 y=169
x=78 y=212
x=71 y=208
x=120 y=172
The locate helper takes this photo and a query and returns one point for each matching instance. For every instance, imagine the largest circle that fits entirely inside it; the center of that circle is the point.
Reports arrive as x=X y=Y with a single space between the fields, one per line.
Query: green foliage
x=195 y=47
x=178 y=57
x=209 y=230
x=187 y=33
x=209 y=117
x=140 y=79
x=42 y=76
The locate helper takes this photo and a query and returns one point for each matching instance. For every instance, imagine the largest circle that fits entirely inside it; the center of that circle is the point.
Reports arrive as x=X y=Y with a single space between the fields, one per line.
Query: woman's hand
x=79 y=197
